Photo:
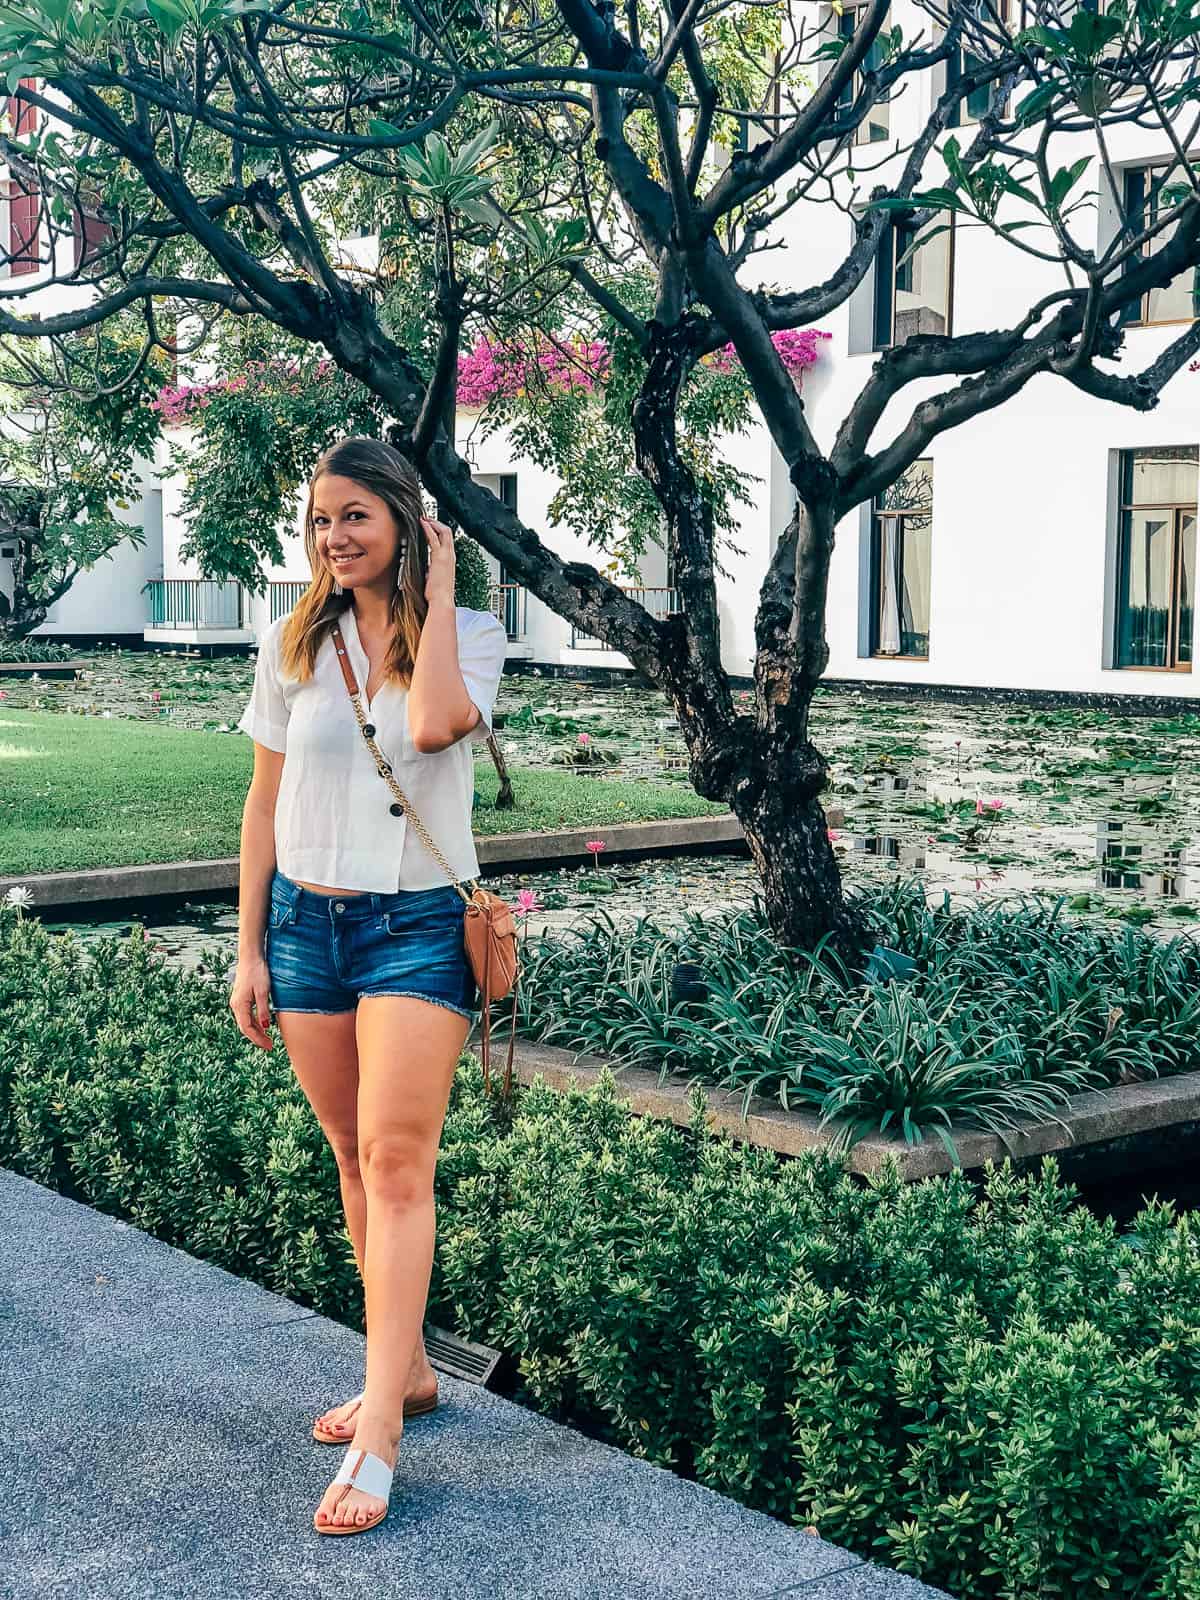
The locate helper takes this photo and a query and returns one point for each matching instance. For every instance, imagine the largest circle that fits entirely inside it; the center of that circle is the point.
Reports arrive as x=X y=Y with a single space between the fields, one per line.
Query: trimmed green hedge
x=994 y=1393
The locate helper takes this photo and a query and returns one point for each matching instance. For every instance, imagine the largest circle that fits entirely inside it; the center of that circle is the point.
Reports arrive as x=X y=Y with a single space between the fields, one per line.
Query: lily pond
x=993 y=799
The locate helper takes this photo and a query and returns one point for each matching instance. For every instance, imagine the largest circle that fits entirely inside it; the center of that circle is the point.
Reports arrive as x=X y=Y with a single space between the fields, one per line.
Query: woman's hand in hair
x=439 y=581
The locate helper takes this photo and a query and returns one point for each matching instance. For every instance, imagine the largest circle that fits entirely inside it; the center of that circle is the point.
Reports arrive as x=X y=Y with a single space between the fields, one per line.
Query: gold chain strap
x=385 y=771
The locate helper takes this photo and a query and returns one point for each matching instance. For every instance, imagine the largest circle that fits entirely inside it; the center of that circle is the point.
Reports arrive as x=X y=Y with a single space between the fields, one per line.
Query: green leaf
x=1036 y=104
x=1065 y=179
x=471 y=153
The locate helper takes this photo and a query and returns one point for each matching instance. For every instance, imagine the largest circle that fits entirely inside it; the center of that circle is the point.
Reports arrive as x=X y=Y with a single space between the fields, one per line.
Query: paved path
x=168 y=1405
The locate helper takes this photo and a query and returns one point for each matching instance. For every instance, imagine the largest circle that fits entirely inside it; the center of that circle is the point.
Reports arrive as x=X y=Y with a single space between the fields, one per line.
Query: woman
x=364 y=964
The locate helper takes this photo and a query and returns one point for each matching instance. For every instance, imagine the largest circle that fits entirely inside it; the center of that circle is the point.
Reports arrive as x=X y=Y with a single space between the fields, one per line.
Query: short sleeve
x=265 y=718
x=482 y=647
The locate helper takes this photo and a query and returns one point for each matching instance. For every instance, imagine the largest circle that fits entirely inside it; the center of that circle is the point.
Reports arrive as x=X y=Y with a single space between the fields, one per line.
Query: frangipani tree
x=76 y=423
x=576 y=169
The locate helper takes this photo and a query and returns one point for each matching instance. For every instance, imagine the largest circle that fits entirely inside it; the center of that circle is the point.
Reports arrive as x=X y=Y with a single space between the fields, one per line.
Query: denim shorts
x=325 y=951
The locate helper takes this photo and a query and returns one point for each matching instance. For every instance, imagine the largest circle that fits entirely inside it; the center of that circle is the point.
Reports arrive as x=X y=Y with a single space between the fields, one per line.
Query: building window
x=90 y=232
x=975 y=105
x=913 y=281
x=24 y=199
x=1149 y=193
x=901 y=523
x=1156 y=565
x=874 y=126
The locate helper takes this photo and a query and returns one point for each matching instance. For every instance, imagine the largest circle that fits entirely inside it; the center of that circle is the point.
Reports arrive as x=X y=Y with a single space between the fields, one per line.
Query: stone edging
x=45 y=669
x=1092 y=1118
x=502 y=851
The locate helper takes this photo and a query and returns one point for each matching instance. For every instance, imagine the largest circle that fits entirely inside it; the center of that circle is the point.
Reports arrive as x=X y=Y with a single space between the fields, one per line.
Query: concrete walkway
x=156 y=1447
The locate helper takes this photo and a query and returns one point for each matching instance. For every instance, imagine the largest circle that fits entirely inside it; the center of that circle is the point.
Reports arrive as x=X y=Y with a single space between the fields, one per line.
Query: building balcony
x=659 y=601
x=196 y=611
x=507 y=601
x=284 y=594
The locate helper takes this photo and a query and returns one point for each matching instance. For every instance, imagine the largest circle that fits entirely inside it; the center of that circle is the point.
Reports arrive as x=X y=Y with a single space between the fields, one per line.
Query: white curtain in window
x=889 y=587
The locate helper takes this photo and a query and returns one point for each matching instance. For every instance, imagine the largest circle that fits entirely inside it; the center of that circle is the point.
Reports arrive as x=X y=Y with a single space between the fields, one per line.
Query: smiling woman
x=347 y=924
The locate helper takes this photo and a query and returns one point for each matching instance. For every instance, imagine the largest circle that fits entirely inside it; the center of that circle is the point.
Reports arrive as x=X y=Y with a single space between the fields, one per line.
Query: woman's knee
x=345 y=1153
x=397 y=1169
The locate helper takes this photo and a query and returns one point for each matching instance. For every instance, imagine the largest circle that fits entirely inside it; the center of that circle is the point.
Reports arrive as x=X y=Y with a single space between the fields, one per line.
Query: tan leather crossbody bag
x=489 y=927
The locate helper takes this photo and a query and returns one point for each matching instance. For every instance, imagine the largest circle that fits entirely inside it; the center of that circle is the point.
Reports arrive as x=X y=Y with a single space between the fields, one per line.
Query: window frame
x=851 y=90
x=1126 y=508
x=1138 y=318
x=962 y=115
x=885 y=268
x=899 y=515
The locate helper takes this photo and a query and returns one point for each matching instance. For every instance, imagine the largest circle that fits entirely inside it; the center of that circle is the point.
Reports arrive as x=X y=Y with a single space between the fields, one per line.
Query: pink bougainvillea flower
x=492 y=368
x=797 y=348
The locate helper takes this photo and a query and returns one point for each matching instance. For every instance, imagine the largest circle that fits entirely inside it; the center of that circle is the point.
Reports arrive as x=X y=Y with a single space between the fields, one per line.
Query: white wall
x=1022 y=507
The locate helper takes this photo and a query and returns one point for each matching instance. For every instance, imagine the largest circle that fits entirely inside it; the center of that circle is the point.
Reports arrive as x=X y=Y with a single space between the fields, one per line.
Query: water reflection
x=1137 y=858
x=976 y=799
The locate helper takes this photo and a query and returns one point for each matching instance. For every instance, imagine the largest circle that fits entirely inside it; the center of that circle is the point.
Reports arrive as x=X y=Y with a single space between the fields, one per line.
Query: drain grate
x=459 y=1358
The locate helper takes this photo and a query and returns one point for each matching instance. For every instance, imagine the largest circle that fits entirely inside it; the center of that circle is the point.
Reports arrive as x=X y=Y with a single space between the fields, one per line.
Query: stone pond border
x=44 y=669
x=509 y=852
x=1101 y=1118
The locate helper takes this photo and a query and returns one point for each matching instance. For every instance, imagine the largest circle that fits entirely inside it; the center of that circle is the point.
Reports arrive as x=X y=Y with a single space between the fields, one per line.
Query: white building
x=1047 y=545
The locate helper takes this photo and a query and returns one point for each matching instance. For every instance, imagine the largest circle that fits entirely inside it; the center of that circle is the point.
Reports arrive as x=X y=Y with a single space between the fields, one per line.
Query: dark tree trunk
x=776 y=800
x=505 y=800
x=26 y=611
x=761 y=764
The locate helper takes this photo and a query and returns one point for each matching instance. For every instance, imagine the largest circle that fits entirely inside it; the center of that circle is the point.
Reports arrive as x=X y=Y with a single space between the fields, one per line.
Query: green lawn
x=79 y=792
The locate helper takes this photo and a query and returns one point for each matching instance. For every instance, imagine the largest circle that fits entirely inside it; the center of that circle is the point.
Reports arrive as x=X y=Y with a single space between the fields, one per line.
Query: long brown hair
x=378 y=466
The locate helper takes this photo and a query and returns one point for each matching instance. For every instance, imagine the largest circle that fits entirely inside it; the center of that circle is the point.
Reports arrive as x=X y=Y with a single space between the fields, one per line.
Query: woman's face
x=350 y=521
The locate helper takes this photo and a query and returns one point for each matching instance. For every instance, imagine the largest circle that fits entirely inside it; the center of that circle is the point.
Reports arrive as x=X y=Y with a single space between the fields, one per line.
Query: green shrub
x=989 y=1390
x=31 y=649
x=1012 y=1010
x=472 y=579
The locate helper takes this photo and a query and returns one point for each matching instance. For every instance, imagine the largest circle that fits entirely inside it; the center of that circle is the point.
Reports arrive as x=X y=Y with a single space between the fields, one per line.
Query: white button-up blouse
x=333 y=825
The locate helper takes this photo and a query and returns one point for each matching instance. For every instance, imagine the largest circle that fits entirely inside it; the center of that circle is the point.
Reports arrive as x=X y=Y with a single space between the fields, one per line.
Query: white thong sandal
x=369 y=1473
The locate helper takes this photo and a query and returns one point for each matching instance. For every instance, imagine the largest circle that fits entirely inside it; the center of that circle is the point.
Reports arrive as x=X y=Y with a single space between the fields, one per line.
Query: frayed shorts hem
x=415 y=994
x=317 y=1011
x=368 y=994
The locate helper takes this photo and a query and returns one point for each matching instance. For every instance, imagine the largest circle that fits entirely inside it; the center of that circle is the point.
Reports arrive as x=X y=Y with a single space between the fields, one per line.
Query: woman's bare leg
x=407 y=1052
x=323 y=1051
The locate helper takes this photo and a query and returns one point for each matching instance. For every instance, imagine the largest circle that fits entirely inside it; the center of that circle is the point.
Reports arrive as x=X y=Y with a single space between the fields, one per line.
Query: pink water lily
x=832 y=835
x=585 y=738
x=595 y=846
x=3 y=694
x=527 y=901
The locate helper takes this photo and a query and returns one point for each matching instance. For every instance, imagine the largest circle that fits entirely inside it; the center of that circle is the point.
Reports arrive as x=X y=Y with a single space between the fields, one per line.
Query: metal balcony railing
x=195 y=603
x=507 y=601
x=284 y=594
x=659 y=601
